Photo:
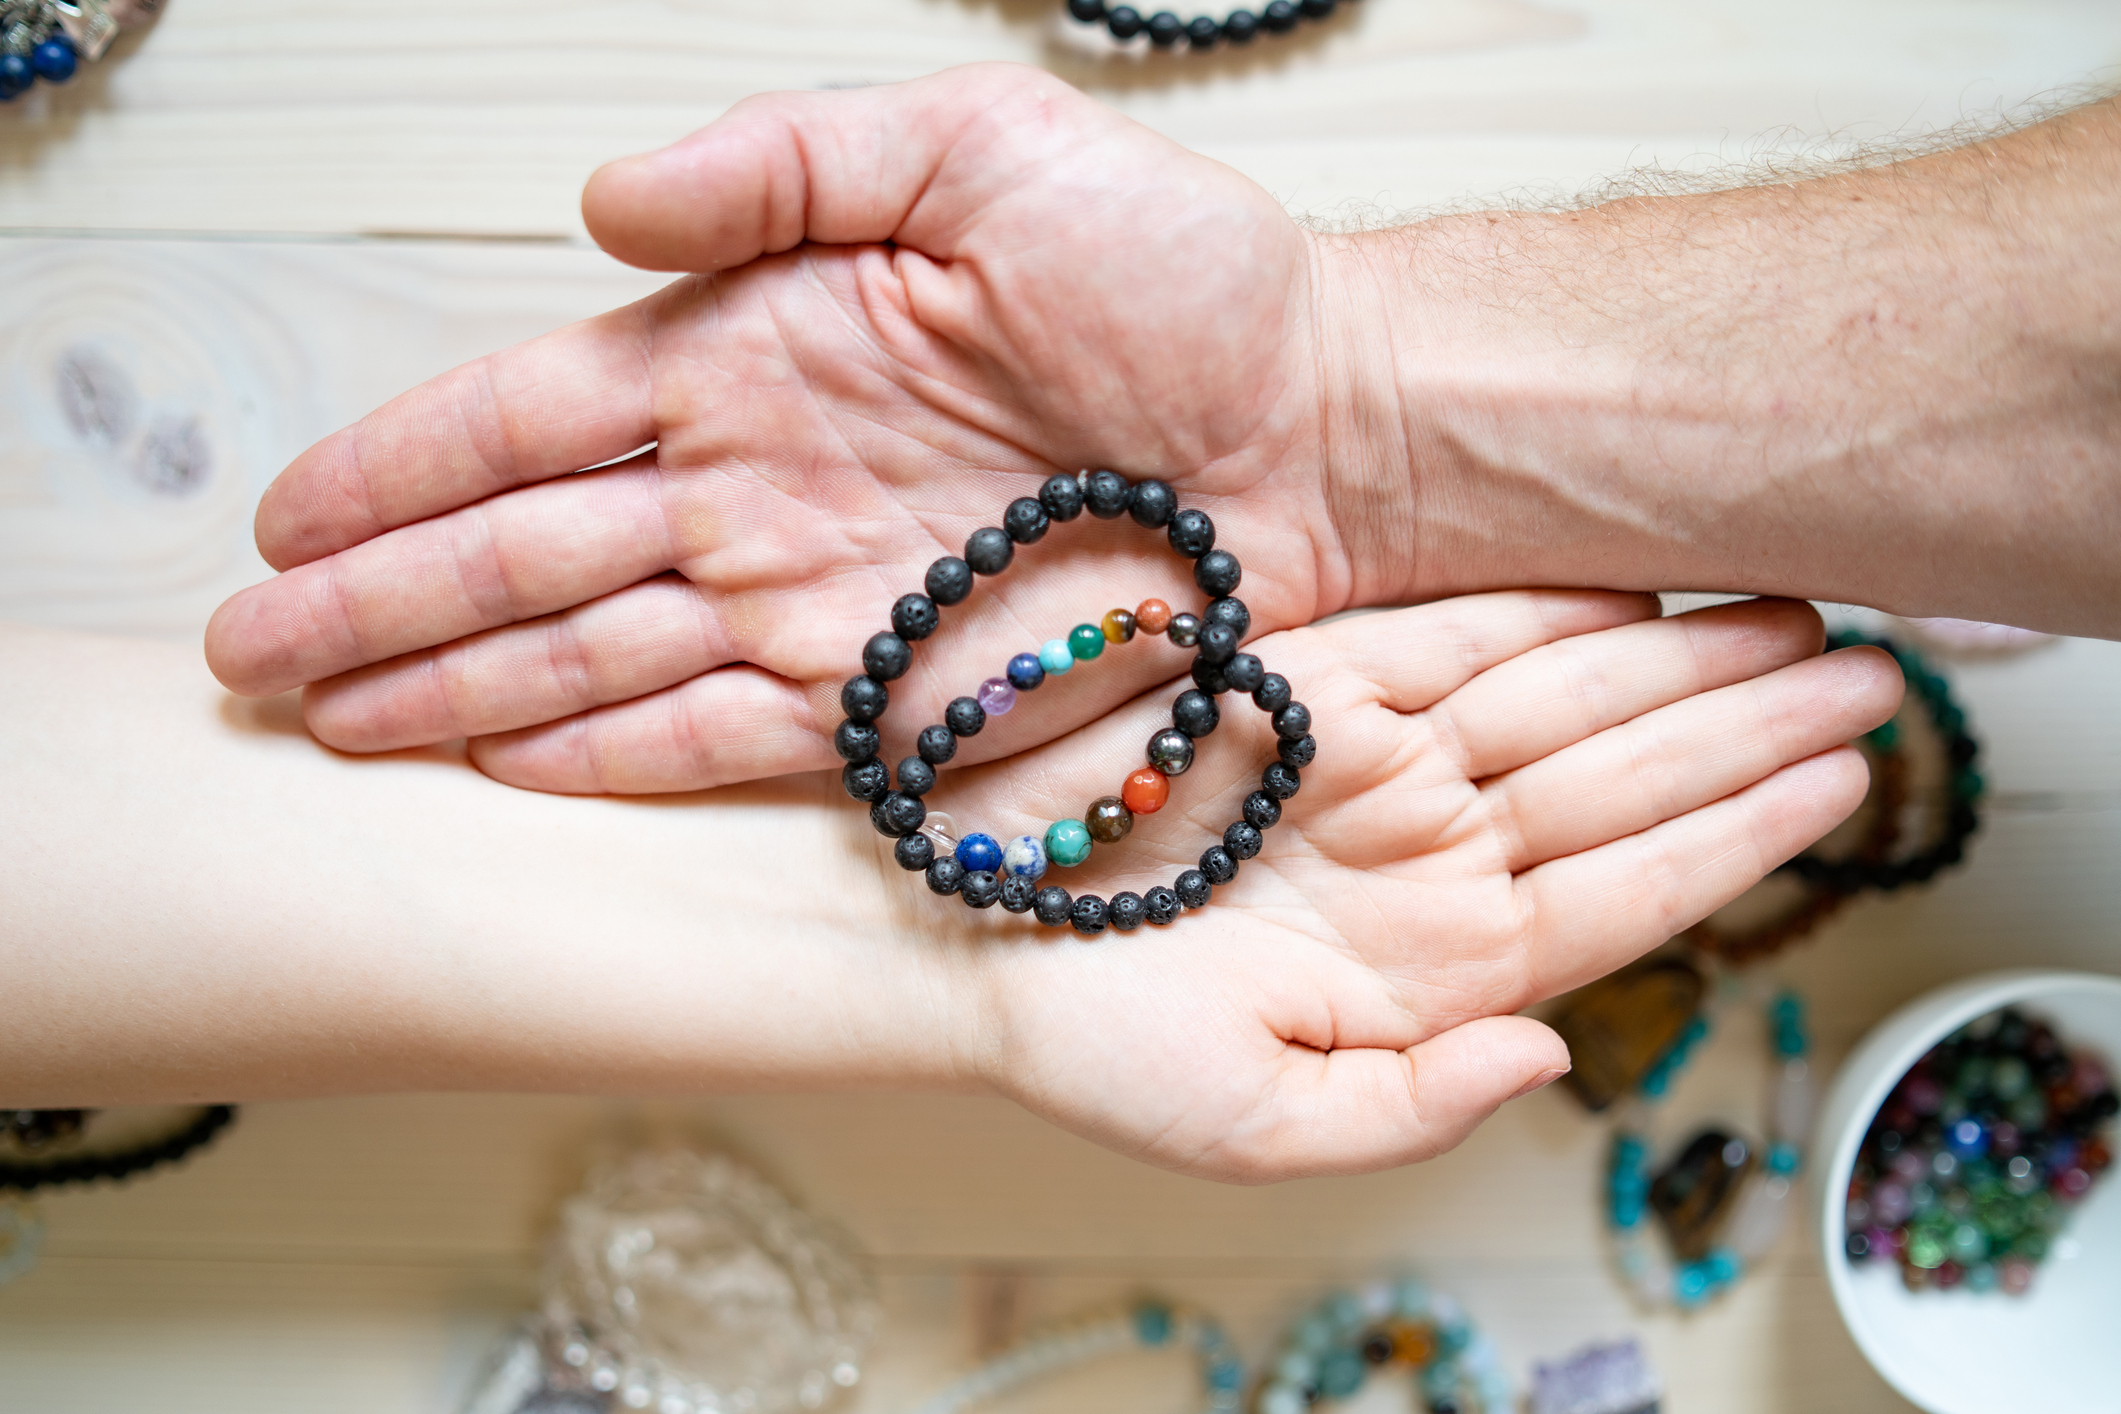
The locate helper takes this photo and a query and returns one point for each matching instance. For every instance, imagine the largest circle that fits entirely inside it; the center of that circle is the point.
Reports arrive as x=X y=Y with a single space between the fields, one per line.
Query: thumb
x=1363 y=1109
x=908 y=162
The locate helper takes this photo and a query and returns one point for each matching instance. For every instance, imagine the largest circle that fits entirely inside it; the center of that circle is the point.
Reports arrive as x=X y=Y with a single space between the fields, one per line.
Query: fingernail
x=1541 y=1081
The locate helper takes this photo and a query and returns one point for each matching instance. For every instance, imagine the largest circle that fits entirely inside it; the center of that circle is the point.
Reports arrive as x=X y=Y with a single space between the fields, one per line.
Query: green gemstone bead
x=1925 y=1251
x=1067 y=842
x=1086 y=641
x=1886 y=737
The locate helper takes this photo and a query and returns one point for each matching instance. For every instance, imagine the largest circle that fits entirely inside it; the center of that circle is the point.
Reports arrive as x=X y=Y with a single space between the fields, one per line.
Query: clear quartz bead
x=1794 y=1097
x=942 y=830
x=1758 y=1220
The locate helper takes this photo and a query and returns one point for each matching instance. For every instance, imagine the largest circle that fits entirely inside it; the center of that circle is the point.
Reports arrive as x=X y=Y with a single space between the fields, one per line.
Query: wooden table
x=268 y=218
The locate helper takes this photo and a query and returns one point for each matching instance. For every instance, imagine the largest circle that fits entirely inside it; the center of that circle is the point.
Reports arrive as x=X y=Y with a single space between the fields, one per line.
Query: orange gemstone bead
x=1152 y=616
x=1412 y=1344
x=1146 y=791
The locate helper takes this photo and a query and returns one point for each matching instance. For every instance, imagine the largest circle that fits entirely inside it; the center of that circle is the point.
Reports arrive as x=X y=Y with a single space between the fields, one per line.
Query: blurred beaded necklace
x=1167 y=31
x=49 y=39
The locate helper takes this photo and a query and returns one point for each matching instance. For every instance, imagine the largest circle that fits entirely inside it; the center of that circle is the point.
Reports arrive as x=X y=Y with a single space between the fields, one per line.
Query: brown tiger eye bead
x=1119 y=626
x=1152 y=616
x=1108 y=819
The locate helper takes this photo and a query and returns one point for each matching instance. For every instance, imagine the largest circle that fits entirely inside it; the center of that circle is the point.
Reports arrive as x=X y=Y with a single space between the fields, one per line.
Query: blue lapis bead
x=15 y=75
x=979 y=852
x=54 y=59
x=1025 y=672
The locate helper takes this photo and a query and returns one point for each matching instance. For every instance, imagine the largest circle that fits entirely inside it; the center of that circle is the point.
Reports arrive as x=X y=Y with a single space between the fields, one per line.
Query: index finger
x=555 y=404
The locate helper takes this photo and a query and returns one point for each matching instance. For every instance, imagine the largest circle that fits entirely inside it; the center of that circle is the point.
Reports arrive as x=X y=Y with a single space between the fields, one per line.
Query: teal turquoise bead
x=1054 y=657
x=1085 y=641
x=1067 y=843
x=1341 y=1373
x=1152 y=1323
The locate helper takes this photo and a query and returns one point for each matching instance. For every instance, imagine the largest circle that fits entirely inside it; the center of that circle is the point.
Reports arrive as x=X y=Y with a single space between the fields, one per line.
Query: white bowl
x=2056 y=1349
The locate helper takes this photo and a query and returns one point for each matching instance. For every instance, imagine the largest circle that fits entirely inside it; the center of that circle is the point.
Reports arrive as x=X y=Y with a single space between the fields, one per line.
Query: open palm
x=930 y=297
x=1514 y=794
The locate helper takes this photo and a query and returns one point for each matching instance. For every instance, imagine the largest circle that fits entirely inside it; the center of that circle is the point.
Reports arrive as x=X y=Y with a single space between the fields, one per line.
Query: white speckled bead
x=1024 y=857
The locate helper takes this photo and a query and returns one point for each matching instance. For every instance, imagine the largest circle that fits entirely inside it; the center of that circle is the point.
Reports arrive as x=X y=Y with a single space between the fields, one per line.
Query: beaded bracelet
x=123 y=1164
x=49 y=39
x=978 y=867
x=1721 y=1204
x=1329 y=1353
x=1165 y=29
x=1148 y=1325
x=1963 y=789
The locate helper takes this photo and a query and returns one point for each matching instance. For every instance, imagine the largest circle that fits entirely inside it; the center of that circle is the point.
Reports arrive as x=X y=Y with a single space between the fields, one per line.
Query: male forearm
x=202 y=903
x=1898 y=386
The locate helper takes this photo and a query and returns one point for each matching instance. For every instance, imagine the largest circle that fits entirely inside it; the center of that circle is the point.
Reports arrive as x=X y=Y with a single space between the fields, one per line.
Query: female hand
x=930 y=297
x=1514 y=794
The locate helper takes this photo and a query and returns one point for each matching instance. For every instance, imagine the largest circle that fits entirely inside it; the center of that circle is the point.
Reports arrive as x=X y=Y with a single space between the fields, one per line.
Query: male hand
x=1514 y=794
x=914 y=304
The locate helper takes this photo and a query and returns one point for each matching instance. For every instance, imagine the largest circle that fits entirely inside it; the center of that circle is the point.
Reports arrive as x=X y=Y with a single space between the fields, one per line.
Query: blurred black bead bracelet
x=1166 y=30
x=979 y=868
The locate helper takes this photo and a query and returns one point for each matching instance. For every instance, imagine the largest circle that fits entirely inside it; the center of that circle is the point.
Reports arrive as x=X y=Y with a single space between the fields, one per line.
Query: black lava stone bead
x=1191 y=533
x=1228 y=611
x=965 y=716
x=1125 y=912
x=1208 y=677
x=1091 y=11
x=1165 y=29
x=981 y=889
x=1218 y=643
x=949 y=580
x=1240 y=26
x=1316 y=9
x=989 y=551
x=914 y=616
x=1195 y=713
x=945 y=875
x=1202 y=32
x=1152 y=504
x=1184 y=631
x=1272 y=694
x=1280 y=781
x=915 y=776
x=936 y=744
x=1292 y=721
x=1216 y=865
x=902 y=813
x=885 y=657
x=1052 y=905
x=914 y=852
x=856 y=742
x=1062 y=496
x=864 y=699
x=1216 y=572
x=1160 y=905
x=1025 y=520
x=1105 y=494
x=1244 y=673
x=1124 y=21
x=1088 y=915
x=1192 y=889
x=1018 y=893
x=1262 y=811
x=866 y=780
x=1279 y=15
x=1243 y=840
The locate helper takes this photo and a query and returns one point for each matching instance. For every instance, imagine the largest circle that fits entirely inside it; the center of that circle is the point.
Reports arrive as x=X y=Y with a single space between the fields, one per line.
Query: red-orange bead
x=1146 y=791
x=1152 y=616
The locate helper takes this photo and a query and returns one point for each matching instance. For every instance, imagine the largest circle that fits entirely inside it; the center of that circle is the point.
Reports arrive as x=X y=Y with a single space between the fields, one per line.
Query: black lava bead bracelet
x=978 y=868
x=94 y=1167
x=1166 y=29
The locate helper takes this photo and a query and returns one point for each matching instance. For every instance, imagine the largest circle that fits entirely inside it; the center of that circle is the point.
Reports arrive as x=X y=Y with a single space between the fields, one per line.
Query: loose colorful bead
x=1067 y=843
x=1054 y=657
x=996 y=697
x=1024 y=858
x=1086 y=641
x=1146 y=790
